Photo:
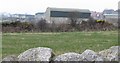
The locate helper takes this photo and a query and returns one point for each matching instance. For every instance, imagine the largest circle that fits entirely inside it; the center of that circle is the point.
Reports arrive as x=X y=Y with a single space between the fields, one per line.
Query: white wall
x=47 y=15
x=59 y=20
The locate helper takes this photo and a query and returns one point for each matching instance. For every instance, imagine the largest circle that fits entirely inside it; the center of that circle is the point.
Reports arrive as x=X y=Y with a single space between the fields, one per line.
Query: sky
x=34 y=6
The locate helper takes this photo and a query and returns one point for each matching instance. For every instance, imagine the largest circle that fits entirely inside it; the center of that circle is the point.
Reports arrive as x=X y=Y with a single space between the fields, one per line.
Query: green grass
x=16 y=43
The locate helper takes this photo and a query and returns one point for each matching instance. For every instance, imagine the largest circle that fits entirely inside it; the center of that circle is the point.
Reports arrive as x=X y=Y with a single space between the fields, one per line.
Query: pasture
x=60 y=42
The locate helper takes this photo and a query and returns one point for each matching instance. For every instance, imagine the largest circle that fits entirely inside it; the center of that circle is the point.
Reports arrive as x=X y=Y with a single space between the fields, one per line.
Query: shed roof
x=69 y=10
x=39 y=13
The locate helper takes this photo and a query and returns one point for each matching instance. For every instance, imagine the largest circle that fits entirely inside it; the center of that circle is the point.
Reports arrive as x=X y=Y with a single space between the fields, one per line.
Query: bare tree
x=74 y=18
x=42 y=24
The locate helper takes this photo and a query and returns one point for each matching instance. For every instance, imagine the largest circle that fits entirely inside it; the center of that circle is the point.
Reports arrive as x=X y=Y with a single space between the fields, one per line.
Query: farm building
x=63 y=15
x=111 y=16
x=39 y=15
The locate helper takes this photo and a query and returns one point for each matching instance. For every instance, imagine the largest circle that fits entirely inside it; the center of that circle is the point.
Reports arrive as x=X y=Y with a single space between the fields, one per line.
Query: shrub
x=41 y=25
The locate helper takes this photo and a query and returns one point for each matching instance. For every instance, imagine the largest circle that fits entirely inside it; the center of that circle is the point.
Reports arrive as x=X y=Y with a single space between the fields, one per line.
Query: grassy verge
x=15 y=43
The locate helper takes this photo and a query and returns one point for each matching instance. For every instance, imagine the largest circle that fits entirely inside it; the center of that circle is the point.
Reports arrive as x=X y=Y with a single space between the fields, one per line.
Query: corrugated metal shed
x=69 y=10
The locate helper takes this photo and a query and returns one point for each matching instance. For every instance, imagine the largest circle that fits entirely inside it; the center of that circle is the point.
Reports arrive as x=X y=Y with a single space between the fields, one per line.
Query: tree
x=42 y=24
x=74 y=18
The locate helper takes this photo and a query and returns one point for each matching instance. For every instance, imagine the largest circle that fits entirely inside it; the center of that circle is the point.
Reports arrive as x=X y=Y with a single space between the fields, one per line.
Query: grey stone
x=89 y=55
x=36 y=54
x=71 y=56
x=100 y=59
x=110 y=54
x=10 y=58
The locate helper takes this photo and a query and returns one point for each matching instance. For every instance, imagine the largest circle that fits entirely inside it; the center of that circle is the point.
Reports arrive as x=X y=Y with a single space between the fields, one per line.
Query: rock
x=10 y=58
x=36 y=54
x=89 y=55
x=100 y=59
x=71 y=56
x=45 y=54
x=114 y=48
x=110 y=54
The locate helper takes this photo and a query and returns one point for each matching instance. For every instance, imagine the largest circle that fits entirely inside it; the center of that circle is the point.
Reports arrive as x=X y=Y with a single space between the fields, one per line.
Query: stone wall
x=46 y=54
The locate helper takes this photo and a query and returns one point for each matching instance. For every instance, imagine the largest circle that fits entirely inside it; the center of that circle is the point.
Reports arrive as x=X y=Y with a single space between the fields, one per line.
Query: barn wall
x=47 y=15
x=59 y=20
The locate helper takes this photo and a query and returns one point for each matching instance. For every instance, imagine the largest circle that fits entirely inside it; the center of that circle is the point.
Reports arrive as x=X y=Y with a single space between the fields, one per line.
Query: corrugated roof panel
x=69 y=10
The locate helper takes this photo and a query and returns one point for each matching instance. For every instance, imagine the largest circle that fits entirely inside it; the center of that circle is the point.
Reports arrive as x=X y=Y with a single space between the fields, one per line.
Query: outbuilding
x=63 y=15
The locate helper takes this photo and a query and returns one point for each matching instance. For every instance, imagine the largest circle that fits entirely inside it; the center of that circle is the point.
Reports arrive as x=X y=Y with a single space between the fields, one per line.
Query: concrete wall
x=47 y=15
x=60 y=20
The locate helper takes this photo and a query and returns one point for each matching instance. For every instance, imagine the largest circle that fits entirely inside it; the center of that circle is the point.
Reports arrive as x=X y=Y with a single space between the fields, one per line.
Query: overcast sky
x=34 y=6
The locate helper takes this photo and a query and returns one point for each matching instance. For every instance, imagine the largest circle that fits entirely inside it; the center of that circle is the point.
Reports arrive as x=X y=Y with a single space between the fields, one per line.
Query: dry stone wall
x=46 y=54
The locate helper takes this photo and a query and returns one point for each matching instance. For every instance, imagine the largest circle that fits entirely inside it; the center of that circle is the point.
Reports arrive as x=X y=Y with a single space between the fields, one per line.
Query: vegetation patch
x=60 y=42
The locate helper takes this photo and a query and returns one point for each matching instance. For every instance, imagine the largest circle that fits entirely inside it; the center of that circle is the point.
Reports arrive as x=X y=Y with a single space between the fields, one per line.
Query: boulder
x=36 y=54
x=100 y=58
x=89 y=55
x=71 y=56
x=110 y=54
x=10 y=58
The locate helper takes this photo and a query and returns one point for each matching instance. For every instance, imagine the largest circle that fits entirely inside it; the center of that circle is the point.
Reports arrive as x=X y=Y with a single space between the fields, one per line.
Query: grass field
x=61 y=42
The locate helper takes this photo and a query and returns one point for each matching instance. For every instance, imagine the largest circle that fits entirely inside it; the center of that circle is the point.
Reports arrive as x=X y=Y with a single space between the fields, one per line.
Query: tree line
x=43 y=26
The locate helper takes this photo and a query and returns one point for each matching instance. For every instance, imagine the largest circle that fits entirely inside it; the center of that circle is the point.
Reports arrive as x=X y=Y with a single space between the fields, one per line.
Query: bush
x=17 y=26
x=42 y=25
